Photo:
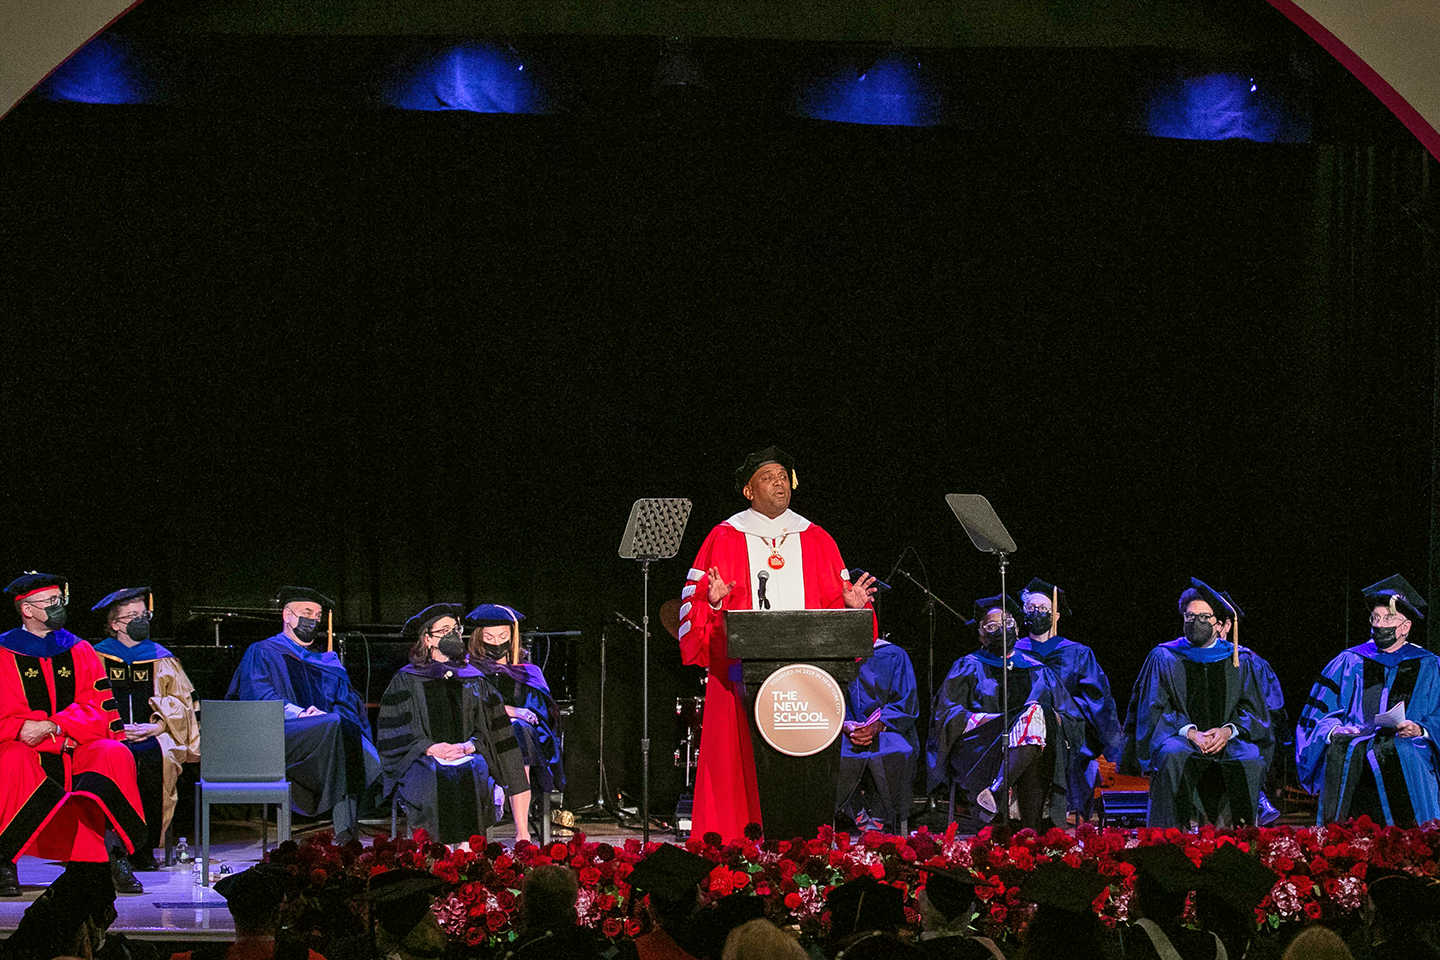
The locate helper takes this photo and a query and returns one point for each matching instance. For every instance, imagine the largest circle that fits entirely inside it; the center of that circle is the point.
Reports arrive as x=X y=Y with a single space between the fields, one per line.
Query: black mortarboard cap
x=1236 y=877
x=493 y=615
x=121 y=596
x=421 y=622
x=1239 y=614
x=758 y=459
x=31 y=582
x=1063 y=886
x=1213 y=597
x=864 y=904
x=1047 y=589
x=950 y=891
x=401 y=898
x=291 y=594
x=1401 y=898
x=985 y=604
x=1406 y=598
x=1165 y=864
x=670 y=872
x=256 y=891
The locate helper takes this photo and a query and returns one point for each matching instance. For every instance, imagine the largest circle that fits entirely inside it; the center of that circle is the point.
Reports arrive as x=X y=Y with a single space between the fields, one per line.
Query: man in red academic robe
x=767 y=557
x=65 y=776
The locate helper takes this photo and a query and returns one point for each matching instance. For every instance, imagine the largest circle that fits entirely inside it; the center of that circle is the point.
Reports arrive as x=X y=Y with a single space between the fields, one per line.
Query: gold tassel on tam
x=794 y=479
x=329 y=631
x=514 y=641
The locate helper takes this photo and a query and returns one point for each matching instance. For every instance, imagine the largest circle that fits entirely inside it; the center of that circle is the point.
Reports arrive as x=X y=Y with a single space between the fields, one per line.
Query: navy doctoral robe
x=885 y=682
x=328 y=757
x=1080 y=673
x=523 y=685
x=971 y=758
x=447 y=703
x=1354 y=688
x=1180 y=685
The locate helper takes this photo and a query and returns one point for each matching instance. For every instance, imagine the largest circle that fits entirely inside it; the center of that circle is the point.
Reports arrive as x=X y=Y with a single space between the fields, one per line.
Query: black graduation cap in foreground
x=29 y=582
x=758 y=459
x=290 y=594
x=421 y=622
x=255 y=892
x=950 y=891
x=121 y=596
x=1236 y=877
x=864 y=904
x=1397 y=592
x=1402 y=898
x=1165 y=864
x=670 y=873
x=400 y=898
x=1049 y=590
x=985 y=604
x=1064 y=887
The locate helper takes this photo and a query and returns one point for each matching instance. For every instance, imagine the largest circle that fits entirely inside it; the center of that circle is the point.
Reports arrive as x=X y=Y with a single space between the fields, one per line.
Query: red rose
x=999 y=913
x=739 y=880
x=589 y=876
x=558 y=851
x=788 y=869
x=1358 y=870
x=762 y=889
x=604 y=902
x=1318 y=866
x=792 y=901
x=1312 y=910
x=504 y=862
x=505 y=899
x=720 y=883
x=317 y=875
x=633 y=927
x=474 y=936
x=496 y=920
x=613 y=927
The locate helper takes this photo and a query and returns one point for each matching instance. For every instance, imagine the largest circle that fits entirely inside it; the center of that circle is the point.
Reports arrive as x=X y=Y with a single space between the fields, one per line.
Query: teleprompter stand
x=653 y=532
x=989 y=535
x=797 y=794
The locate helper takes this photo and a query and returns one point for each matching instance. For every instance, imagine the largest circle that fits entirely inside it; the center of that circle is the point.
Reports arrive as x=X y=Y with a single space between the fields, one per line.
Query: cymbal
x=670 y=617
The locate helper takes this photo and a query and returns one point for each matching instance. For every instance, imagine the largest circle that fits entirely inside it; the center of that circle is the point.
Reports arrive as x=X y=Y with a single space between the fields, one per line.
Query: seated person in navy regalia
x=495 y=649
x=969 y=743
x=330 y=760
x=155 y=701
x=878 y=745
x=1356 y=765
x=1199 y=726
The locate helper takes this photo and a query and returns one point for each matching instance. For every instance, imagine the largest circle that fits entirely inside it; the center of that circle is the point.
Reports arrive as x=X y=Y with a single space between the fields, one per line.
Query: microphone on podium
x=763 y=576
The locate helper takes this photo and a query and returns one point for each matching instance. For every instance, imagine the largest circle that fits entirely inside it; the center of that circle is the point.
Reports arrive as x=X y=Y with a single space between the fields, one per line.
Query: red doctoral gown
x=57 y=798
x=726 y=795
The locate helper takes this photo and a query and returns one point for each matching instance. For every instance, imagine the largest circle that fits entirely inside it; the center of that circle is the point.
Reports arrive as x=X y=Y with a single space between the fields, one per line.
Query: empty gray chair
x=242 y=760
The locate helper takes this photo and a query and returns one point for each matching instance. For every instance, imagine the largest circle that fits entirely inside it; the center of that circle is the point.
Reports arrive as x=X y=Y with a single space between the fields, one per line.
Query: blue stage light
x=109 y=69
x=895 y=90
x=478 y=77
x=1224 y=106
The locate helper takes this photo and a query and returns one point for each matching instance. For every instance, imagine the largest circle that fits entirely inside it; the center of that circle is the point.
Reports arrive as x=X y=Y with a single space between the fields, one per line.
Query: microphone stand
x=1002 y=804
x=930 y=603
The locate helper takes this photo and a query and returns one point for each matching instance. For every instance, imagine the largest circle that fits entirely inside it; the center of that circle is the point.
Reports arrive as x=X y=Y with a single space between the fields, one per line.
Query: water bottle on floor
x=197 y=874
x=182 y=853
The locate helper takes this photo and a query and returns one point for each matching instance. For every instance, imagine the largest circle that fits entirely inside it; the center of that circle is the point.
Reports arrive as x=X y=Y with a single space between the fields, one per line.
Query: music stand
x=989 y=535
x=653 y=532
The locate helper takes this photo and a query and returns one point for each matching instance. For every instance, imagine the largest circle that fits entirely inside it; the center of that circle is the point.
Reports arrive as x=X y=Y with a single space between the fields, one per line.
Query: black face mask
x=497 y=651
x=1383 y=636
x=305 y=628
x=1038 y=622
x=451 y=647
x=1199 y=633
x=138 y=629
x=55 y=616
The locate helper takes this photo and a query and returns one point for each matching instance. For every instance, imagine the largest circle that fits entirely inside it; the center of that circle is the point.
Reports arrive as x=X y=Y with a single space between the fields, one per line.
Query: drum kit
x=689 y=711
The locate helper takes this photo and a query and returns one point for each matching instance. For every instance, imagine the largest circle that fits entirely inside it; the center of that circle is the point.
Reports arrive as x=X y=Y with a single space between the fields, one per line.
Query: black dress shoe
x=9 y=879
x=125 y=879
x=143 y=860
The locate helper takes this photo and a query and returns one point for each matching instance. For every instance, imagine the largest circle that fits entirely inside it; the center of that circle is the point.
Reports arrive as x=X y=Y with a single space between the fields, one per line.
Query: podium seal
x=799 y=709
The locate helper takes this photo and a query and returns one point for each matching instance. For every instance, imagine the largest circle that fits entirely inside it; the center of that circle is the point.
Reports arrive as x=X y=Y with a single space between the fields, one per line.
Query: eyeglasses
x=59 y=598
x=1200 y=617
x=1031 y=608
x=441 y=634
x=143 y=615
x=991 y=628
x=1386 y=619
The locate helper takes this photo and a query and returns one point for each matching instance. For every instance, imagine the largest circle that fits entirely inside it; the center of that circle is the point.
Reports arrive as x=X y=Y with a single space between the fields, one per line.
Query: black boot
x=9 y=879
x=124 y=876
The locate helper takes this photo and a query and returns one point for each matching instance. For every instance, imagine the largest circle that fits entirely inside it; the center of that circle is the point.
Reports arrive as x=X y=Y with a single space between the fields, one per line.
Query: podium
x=795 y=666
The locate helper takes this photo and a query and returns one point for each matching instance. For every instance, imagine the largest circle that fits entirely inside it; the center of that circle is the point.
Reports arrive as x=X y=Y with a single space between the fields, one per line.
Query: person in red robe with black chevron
x=767 y=557
x=65 y=776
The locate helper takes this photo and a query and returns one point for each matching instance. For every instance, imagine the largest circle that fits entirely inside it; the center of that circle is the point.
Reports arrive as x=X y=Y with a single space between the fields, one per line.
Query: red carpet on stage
x=1320 y=872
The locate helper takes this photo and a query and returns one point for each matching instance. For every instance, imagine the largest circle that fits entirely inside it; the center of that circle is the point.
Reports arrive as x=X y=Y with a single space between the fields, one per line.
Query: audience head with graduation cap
x=1203 y=610
x=40 y=600
x=766 y=479
x=1065 y=922
x=496 y=634
x=671 y=877
x=1394 y=609
x=436 y=634
x=127 y=614
x=405 y=926
x=1038 y=599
